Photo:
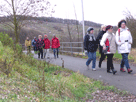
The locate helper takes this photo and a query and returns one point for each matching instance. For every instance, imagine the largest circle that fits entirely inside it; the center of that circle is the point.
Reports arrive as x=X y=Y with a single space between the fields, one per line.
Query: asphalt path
x=121 y=80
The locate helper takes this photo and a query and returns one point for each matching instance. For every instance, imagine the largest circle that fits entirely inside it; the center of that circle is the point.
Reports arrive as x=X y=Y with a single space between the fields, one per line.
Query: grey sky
x=100 y=11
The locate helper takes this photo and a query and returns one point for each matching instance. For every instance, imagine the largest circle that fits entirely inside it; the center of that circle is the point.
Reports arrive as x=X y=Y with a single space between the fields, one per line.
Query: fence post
x=82 y=48
x=71 y=48
x=62 y=47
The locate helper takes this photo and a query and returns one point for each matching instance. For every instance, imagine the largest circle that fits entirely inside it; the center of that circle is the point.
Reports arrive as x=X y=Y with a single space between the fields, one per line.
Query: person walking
x=108 y=43
x=28 y=45
x=90 y=47
x=40 y=44
x=99 y=37
x=55 y=45
x=34 y=44
x=124 y=41
x=46 y=46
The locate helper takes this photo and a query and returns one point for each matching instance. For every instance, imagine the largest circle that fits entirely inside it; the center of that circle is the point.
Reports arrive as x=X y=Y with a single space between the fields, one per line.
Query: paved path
x=123 y=81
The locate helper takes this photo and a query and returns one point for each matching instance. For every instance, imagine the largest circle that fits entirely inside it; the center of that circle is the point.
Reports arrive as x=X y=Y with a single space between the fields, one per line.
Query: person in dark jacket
x=40 y=44
x=34 y=44
x=99 y=37
x=90 y=46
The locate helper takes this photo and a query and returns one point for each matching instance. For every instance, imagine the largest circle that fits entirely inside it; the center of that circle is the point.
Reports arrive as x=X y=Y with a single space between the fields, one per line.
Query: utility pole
x=83 y=19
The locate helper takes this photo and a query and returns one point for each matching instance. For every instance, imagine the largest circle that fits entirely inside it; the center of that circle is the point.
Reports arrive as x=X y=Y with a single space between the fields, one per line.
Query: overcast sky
x=100 y=11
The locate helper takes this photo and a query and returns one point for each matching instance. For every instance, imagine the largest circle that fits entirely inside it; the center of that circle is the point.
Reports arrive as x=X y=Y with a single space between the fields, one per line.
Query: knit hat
x=54 y=35
x=122 y=21
x=108 y=27
x=89 y=29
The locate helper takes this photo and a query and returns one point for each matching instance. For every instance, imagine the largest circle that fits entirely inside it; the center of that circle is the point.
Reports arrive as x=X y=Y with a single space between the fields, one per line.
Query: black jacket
x=90 y=44
x=99 y=37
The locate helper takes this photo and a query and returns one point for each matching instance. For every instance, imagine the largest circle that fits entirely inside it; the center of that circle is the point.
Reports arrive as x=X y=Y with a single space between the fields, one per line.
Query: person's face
x=104 y=28
x=27 y=38
x=40 y=37
x=110 y=30
x=45 y=37
x=123 y=25
x=91 y=32
x=54 y=36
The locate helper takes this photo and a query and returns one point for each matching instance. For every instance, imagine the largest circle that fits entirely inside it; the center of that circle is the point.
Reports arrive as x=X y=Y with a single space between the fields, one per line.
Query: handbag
x=105 y=51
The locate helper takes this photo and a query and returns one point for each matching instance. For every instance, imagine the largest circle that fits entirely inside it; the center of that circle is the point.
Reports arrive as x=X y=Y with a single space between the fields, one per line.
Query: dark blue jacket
x=34 y=42
x=99 y=37
x=90 y=44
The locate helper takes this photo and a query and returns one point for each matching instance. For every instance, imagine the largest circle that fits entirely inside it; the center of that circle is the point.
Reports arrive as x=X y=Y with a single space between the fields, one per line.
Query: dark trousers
x=102 y=58
x=28 y=49
x=35 y=48
x=56 y=50
x=110 y=62
x=40 y=52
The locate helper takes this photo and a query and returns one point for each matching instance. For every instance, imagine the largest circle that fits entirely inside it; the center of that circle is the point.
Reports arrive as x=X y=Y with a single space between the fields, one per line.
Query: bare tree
x=17 y=11
x=131 y=23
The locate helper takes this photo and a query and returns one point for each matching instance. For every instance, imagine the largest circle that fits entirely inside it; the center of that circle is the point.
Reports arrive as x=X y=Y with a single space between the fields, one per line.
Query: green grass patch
x=34 y=80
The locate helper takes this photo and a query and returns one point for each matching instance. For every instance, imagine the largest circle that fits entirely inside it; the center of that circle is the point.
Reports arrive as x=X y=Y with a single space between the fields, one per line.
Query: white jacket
x=126 y=40
x=109 y=38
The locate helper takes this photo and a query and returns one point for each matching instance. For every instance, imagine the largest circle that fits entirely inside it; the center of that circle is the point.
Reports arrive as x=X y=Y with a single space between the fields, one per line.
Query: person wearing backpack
x=46 y=46
x=90 y=47
x=99 y=37
x=108 y=43
x=40 y=44
x=34 y=44
x=124 y=41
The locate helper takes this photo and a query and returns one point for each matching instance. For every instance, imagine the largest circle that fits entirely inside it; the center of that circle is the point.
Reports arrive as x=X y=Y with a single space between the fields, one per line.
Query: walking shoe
x=99 y=65
x=114 y=71
x=129 y=70
x=108 y=71
x=122 y=70
x=93 y=69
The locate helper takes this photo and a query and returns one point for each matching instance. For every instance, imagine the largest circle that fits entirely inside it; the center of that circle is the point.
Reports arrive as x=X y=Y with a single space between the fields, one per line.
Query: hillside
x=36 y=27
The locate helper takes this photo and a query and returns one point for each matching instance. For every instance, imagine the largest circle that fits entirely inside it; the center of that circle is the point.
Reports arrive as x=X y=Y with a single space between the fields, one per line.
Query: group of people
x=108 y=43
x=42 y=45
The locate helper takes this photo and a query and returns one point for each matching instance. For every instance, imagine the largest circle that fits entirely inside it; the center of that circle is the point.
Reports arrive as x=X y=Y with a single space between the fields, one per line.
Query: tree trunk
x=15 y=24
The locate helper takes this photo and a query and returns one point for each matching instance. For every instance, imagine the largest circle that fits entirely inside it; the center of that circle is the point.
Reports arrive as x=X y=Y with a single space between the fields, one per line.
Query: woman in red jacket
x=47 y=46
x=55 y=45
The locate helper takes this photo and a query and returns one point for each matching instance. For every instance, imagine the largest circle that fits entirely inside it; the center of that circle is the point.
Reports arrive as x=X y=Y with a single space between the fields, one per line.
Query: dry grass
x=133 y=54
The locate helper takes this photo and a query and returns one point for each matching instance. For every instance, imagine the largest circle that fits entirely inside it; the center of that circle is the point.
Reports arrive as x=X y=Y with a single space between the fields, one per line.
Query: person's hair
x=45 y=35
x=103 y=26
x=120 y=22
x=40 y=36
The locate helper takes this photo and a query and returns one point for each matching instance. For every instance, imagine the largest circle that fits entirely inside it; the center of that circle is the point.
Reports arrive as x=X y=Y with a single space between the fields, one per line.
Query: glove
x=86 y=52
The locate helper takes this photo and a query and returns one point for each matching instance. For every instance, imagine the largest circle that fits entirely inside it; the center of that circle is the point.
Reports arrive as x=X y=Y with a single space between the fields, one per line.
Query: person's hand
x=130 y=43
x=86 y=52
x=119 y=40
x=104 y=48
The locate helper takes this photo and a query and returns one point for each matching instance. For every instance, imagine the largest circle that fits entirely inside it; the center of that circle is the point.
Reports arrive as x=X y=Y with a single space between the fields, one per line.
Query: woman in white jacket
x=109 y=41
x=124 y=41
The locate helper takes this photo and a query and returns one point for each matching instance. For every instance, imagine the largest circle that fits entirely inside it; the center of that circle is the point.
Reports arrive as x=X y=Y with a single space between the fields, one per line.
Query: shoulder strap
x=119 y=33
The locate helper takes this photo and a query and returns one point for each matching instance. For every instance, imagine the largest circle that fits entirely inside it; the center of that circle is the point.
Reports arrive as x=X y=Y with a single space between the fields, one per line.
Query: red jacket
x=55 y=43
x=47 y=43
